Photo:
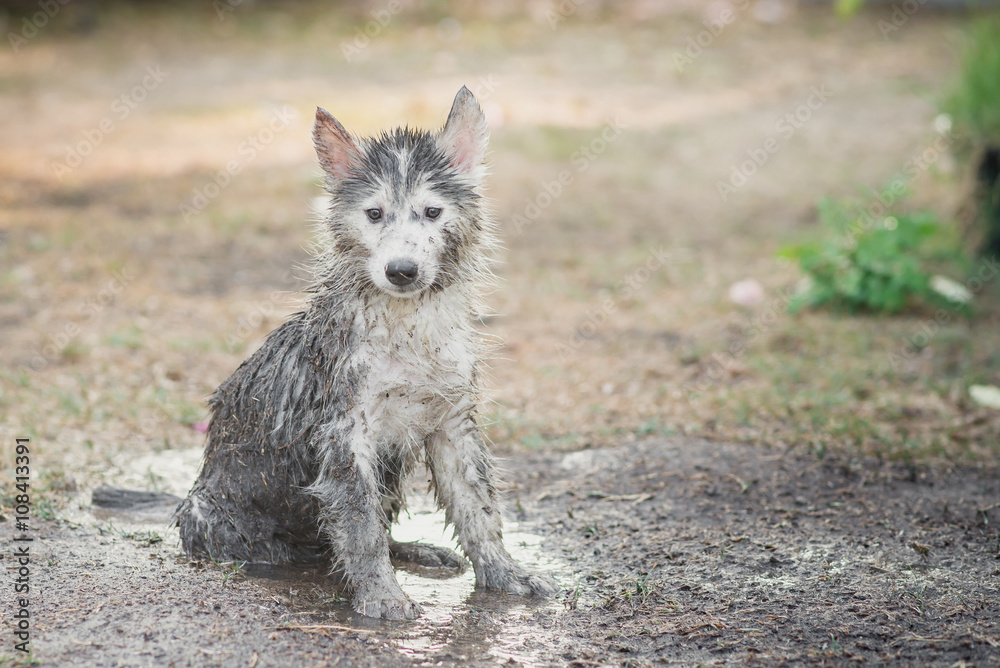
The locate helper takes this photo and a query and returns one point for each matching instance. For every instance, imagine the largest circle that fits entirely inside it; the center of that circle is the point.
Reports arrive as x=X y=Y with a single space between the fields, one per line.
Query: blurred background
x=759 y=220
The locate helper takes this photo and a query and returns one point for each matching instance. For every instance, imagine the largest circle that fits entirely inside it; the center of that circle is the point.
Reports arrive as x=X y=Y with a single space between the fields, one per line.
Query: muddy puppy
x=311 y=439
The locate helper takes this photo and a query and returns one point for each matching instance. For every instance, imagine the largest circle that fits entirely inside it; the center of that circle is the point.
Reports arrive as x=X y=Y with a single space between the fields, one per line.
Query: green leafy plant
x=974 y=104
x=974 y=107
x=872 y=264
x=230 y=570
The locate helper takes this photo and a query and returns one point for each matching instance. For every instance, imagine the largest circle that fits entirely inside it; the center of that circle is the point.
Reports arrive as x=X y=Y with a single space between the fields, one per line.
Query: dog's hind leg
x=228 y=517
x=392 y=473
x=427 y=555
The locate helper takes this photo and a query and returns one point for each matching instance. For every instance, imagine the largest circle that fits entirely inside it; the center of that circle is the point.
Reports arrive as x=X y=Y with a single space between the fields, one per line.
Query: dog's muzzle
x=401 y=272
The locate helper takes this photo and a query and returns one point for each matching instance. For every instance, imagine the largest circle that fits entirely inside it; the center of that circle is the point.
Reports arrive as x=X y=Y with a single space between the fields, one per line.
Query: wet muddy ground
x=672 y=551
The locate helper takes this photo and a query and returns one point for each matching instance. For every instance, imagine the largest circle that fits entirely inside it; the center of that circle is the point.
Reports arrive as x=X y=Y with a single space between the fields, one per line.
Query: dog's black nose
x=401 y=272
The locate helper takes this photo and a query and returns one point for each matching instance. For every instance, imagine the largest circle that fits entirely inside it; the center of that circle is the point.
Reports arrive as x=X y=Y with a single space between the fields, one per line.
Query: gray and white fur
x=312 y=437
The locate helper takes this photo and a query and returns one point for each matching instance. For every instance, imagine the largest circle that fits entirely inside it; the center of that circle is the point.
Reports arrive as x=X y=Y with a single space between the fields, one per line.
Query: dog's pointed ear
x=465 y=134
x=337 y=151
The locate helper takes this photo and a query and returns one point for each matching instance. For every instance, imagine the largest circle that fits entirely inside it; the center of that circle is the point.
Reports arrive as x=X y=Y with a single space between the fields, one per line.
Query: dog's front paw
x=514 y=578
x=385 y=602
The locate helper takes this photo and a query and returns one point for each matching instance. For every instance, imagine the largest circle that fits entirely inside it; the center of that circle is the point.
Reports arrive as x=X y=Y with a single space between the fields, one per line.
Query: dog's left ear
x=465 y=134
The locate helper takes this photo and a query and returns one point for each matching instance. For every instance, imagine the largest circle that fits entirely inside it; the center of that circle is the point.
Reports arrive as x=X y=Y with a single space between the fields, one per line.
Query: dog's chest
x=415 y=369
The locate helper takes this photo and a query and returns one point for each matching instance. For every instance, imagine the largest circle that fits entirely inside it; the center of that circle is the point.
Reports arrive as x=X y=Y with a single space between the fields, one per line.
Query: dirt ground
x=827 y=494
x=674 y=551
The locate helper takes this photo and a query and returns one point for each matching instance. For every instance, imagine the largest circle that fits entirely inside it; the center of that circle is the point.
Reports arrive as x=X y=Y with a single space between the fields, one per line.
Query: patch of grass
x=74 y=351
x=571 y=599
x=918 y=595
x=233 y=224
x=48 y=494
x=128 y=337
x=197 y=345
x=143 y=538
x=633 y=592
x=70 y=402
x=231 y=570
x=533 y=441
x=234 y=345
x=155 y=480
x=188 y=412
x=592 y=530
x=173 y=406
x=19 y=659
x=654 y=427
x=857 y=386
x=45 y=508
x=642 y=591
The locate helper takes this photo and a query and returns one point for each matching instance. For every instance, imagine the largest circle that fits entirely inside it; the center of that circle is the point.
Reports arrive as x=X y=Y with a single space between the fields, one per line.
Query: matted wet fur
x=312 y=437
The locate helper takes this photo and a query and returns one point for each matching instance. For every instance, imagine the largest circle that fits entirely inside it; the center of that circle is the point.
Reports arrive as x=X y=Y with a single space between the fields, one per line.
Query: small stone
x=985 y=395
x=746 y=293
x=951 y=290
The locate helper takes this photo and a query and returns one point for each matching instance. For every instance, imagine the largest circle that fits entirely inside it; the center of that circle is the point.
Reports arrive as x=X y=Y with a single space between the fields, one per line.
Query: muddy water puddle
x=458 y=623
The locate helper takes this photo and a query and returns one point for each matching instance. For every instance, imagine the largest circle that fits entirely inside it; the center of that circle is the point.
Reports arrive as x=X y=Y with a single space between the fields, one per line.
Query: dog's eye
x=432 y=212
x=374 y=214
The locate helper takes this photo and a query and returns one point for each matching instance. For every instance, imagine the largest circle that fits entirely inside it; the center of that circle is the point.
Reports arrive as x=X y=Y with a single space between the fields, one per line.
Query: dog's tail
x=124 y=500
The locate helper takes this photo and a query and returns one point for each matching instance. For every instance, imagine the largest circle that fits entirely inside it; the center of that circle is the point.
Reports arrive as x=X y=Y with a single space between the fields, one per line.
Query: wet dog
x=311 y=438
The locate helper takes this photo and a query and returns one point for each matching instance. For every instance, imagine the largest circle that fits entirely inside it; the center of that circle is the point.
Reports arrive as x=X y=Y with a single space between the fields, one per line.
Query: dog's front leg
x=354 y=523
x=462 y=470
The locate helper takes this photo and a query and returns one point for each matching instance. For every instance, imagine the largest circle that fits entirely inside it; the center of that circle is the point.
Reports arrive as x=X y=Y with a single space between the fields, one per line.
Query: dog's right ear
x=338 y=154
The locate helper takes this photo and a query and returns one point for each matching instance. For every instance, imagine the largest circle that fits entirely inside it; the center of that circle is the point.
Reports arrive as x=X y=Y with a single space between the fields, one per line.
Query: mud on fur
x=312 y=437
